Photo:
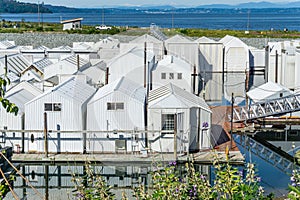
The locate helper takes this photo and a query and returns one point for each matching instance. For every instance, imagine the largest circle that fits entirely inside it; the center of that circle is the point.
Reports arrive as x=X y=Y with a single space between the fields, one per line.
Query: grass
x=23 y=27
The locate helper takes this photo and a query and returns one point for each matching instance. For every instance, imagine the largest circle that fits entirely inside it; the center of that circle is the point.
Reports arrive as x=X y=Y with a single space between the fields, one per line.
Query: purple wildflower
x=258 y=179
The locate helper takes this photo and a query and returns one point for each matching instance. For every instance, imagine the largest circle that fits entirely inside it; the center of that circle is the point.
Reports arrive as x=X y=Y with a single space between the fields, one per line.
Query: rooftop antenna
x=248 y=23
x=38 y=12
x=103 y=15
x=172 y=19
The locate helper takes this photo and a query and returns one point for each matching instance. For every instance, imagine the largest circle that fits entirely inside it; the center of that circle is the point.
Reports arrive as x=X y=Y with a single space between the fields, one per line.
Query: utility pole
x=175 y=137
x=231 y=122
x=45 y=135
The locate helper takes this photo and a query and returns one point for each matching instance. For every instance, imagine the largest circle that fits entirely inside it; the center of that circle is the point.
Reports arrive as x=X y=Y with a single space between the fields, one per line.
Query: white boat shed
x=65 y=106
x=120 y=105
x=172 y=69
x=268 y=91
x=170 y=105
x=19 y=95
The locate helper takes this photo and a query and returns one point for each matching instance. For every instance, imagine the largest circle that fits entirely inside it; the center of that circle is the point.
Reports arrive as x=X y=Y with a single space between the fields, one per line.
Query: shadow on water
x=54 y=181
x=273 y=179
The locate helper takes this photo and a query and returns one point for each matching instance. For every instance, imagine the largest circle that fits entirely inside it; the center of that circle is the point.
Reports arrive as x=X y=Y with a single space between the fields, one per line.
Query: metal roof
x=11 y=76
x=22 y=93
x=42 y=48
x=233 y=41
x=7 y=44
x=41 y=64
x=178 y=39
x=71 y=20
x=267 y=90
x=73 y=60
x=171 y=96
x=73 y=89
x=61 y=48
x=175 y=63
x=15 y=63
x=123 y=85
x=145 y=38
x=204 y=39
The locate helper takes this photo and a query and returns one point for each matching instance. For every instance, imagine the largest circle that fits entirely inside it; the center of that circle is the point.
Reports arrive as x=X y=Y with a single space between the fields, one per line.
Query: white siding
x=69 y=118
x=210 y=68
x=99 y=118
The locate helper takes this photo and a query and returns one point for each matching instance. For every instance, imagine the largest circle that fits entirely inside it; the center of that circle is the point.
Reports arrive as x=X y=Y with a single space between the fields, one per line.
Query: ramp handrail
x=268 y=108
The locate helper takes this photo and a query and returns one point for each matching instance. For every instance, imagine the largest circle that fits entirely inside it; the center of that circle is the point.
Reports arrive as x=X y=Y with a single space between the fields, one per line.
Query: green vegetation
x=180 y=182
x=10 y=107
x=294 y=188
x=91 y=186
x=12 y=6
x=236 y=33
x=22 y=27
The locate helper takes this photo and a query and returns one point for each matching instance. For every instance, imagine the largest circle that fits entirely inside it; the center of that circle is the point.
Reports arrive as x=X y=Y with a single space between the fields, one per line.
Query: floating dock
x=207 y=157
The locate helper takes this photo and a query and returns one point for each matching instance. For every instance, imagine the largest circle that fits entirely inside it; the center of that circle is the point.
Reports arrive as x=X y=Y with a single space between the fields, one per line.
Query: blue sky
x=101 y=3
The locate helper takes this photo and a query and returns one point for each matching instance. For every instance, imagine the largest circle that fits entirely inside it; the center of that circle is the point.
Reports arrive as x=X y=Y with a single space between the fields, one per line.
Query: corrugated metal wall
x=70 y=117
x=99 y=118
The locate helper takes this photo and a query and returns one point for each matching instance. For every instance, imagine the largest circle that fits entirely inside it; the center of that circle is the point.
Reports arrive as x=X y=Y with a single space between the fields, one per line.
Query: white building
x=132 y=66
x=116 y=106
x=65 y=106
x=211 y=59
x=283 y=63
x=148 y=41
x=172 y=69
x=193 y=119
x=19 y=95
x=268 y=91
x=236 y=64
x=107 y=48
x=66 y=66
x=15 y=63
x=72 y=24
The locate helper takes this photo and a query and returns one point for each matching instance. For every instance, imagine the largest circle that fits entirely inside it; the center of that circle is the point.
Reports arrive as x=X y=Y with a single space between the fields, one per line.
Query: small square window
x=48 y=107
x=163 y=75
x=171 y=76
x=179 y=76
x=119 y=106
x=110 y=106
x=57 y=106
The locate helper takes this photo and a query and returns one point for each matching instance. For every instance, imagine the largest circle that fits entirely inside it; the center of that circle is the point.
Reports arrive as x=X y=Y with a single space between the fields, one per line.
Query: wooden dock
x=207 y=157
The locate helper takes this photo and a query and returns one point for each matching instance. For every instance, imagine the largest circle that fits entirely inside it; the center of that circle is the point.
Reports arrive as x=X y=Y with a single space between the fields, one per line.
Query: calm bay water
x=237 y=19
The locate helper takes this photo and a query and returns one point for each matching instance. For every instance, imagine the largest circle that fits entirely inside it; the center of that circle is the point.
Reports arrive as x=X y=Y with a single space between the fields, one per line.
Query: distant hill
x=254 y=5
x=12 y=6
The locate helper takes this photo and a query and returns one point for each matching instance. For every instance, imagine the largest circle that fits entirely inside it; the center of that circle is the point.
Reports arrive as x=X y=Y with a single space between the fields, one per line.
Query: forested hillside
x=12 y=6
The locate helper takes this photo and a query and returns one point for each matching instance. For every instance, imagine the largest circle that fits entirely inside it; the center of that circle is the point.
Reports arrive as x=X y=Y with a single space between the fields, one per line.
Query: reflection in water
x=54 y=181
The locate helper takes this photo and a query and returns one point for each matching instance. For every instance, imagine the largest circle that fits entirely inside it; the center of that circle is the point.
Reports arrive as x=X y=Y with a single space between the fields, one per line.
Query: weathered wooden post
x=175 y=136
x=231 y=123
x=45 y=135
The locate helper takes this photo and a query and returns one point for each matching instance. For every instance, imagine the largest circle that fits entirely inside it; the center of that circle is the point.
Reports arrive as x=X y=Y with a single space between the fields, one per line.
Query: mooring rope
x=26 y=180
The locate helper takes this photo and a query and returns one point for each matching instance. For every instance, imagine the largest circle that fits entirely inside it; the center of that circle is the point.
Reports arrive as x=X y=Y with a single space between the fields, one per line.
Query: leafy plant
x=10 y=107
x=91 y=185
x=229 y=183
x=294 y=188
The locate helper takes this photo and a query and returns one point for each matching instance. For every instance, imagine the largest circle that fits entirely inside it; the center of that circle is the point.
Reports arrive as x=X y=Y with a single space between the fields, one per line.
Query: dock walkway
x=235 y=157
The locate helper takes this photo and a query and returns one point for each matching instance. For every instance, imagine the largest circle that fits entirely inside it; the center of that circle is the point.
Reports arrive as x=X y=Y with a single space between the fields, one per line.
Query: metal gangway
x=279 y=159
x=268 y=108
x=154 y=29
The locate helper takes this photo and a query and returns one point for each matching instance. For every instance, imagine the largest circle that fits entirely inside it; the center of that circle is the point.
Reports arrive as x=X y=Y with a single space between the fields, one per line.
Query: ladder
x=157 y=33
x=271 y=156
x=266 y=109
